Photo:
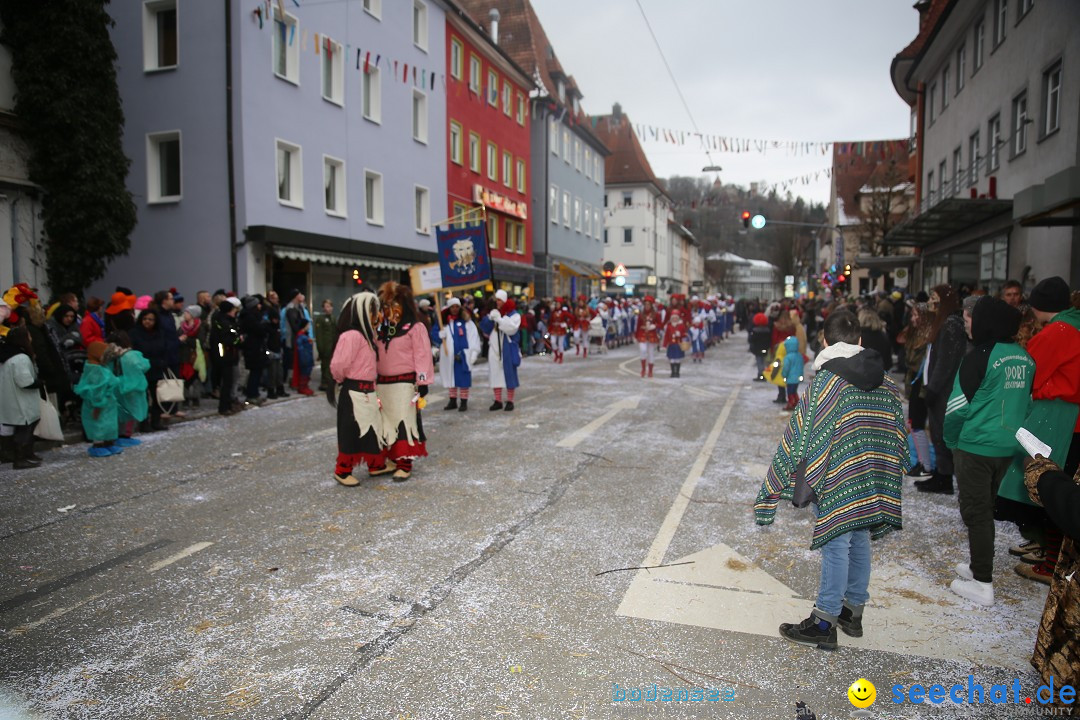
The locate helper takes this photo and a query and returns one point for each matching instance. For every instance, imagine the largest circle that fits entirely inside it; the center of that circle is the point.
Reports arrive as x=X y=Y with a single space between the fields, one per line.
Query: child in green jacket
x=97 y=388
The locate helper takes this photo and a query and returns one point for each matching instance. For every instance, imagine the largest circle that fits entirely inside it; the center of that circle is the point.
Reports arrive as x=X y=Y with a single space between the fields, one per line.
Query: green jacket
x=982 y=416
x=325 y=334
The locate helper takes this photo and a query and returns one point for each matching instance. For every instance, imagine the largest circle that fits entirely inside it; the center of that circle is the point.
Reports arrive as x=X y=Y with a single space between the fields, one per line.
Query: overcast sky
x=772 y=69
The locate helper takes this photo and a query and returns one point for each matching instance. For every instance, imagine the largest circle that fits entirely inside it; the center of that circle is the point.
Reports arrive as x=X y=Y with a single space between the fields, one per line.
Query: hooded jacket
x=991 y=395
x=793 y=361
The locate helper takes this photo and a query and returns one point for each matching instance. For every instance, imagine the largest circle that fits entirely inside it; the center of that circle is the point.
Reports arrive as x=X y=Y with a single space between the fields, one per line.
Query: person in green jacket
x=990 y=399
x=97 y=388
x=132 y=403
x=325 y=335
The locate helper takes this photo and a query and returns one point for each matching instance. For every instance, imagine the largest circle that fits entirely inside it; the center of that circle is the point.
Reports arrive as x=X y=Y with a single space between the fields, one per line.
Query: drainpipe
x=229 y=143
x=14 y=242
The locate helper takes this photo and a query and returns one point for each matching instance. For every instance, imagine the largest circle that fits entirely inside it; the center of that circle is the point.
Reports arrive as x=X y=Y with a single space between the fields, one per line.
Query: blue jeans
x=845 y=574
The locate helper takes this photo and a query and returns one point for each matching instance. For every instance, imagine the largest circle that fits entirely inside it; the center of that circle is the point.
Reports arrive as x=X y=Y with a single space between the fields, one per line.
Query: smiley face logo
x=862 y=693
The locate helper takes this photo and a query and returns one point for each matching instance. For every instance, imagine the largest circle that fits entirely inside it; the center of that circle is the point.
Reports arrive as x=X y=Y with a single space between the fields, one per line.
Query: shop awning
x=885 y=262
x=1052 y=203
x=580 y=269
x=945 y=219
x=332 y=258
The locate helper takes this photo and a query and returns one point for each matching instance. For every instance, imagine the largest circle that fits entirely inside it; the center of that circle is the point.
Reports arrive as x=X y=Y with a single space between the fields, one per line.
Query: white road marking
x=574 y=438
x=624 y=369
x=186 y=552
x=60 y=612
x=527 y=398
x=701 y=392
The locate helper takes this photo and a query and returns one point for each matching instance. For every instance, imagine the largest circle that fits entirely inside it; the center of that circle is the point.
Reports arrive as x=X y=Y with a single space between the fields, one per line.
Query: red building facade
x=487 y=114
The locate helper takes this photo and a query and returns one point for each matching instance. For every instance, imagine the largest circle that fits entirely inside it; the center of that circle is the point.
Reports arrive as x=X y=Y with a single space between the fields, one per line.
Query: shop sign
x=503 y=204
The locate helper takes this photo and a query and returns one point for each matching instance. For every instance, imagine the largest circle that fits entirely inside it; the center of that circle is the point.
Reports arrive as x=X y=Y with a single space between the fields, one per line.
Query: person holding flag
x=459 y=349
x=501 y=325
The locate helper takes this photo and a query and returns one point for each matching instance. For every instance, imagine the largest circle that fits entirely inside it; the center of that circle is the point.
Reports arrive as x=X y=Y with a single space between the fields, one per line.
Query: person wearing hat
x=120 y=313
x=225 y=348
x=561 y=320
x=459 y=348
x=648 y=334
x=501 y=325
x=100 y=408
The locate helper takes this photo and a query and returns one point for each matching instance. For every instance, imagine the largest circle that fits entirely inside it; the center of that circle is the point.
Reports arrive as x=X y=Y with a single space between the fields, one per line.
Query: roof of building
x=627 y=164
x=932 y=14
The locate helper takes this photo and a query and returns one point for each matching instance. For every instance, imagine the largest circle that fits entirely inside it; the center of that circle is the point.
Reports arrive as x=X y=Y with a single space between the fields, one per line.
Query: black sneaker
x=809 y=632
x=937 y=483
x=496 y=406
x=918 y=472
x=851 y=625
x=452 y=405
x=509 y=407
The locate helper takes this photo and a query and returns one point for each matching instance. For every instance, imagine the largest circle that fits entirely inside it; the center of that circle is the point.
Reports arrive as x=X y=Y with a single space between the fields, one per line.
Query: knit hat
x=1051 y=295
x=761 y=319
x=452 y=302
x=234 y=301
x=500 y=295
x=95 y=351
x=194 y=311
x=143 y=302
x=425 y=303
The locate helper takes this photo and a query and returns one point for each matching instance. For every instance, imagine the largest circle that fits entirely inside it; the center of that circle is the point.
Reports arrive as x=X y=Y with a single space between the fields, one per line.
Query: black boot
x=938 y=483
x=810 y=632
x=7 y=449
x=849 y=623
x=281 y=391
x=496 y=406
x=452 y=405
x=22 y=458
x=672 y=370
x=509 y=407
x=30 y=454
x=464 y=405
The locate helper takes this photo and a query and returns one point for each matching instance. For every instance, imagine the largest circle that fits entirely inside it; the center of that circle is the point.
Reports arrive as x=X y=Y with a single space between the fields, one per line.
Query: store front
x=573 y=278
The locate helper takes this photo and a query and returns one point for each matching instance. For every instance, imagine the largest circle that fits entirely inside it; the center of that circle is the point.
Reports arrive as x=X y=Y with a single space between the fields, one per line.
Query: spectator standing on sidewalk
x=297 y=321
x=92 y=326
x=847 y=439
x=254 y=327
x=225 y=342
x=325 y=335
x=20 y=407
x=148 y=338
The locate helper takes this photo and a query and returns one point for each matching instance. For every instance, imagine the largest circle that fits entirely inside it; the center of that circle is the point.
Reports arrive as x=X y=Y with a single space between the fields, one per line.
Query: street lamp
x=711 y=168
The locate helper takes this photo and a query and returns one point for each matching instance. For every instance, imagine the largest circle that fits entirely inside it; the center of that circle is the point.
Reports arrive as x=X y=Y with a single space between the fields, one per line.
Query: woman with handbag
x=20 y=400
x=148 y=338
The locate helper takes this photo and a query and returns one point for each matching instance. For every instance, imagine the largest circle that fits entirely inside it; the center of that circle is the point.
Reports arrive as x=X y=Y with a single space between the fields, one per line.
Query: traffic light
x=746 y=218
x=847 y=269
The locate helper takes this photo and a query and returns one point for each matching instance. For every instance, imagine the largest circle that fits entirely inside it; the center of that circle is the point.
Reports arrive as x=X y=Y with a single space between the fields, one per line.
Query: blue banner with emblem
x=463 y=256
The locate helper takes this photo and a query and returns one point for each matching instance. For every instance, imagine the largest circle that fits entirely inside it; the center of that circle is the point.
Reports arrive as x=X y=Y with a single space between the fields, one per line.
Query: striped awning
x=332 y=258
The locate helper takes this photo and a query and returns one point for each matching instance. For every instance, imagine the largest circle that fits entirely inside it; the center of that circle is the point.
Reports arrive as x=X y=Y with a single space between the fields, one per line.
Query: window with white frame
x=493 y=88
x=993 y=143
x=577 y=154
x=286 y=47
x=334 y=195
x=974 y=157
x=520 y=243
x=930 y=186
x=1020 y=123
x=290 y=180
x=596 y=169
x=457 y=58
x=944 y=88
x=961 y=67
x=455 y=142
x=958 y=171
x=588 y=163
x=980 y=44
x=420 y=120
x=1051 y=106
x=597 y=225
x=333 y=71
x=474 y=152
x=474 y=74
x=507 y=98
x=520 y=109
x=493 y=231
x=420 y=25
x=627 y=199
x=507 y=169
x=587 y=219
x=554 y=139
x=942 y=180
x=163 y=171
x=160 y=40
x=509 y=239
x=373 y=197
x=1001 y=20
x=372 y=94
x=566 y=208
x=932 y=96
x=1023 y=8
x=373 y=7
x=566 y=146
x=553 y=204
x=577 y=214
x=520 y=175
x=627 y=235
x=492 y=161
x=422 y=210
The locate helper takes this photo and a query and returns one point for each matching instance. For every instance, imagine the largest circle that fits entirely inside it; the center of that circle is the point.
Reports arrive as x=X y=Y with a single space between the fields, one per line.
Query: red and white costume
x=648 y=333
x=559 y=326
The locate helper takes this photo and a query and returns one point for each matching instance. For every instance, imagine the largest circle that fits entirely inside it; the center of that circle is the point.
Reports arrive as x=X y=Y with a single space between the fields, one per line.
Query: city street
x=219 y=571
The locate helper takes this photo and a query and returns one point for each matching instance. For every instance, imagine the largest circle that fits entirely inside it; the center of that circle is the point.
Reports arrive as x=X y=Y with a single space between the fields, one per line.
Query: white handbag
x=170 y=389
x=48 y=427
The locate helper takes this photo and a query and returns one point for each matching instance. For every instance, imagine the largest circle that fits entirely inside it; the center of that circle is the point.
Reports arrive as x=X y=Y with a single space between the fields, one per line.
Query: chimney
x=616 y=112
x=493 y=16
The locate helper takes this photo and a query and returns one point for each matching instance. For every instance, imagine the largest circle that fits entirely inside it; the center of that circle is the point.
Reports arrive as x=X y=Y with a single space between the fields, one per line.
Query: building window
x=290 y=185
x=455 y=142
x=373 y=197
x=163 y=167
x=508 y=95
x=520 y=238
x=588 y=163
x=372 y=94
x=944 y=88
x=459 y=212
x=520 y=175
x=509 y=240
x=554 y=139
x=587 y=217
x=993 y=140
x=334 y=196
x=1001 y=19
x=474 y=74
x=419 y=25
x=627 y=199
x=286 y=47
x=627 y=236
x=930 y=187
x=596 y=169
x=373 y=7
x=566 y=208
x=507 y=165
x=961 y=66
x=553 y=204
x=474 y=152
x=933 y=95
x=333 y=72
x=577 y=214
x=958 y=171
x=566 y=146
x=1023 y=8
x=942 y=179
x=493 y=88
x=419 y=120
x=493 y=231
x=1020 y=123
x=160 y=49
x=980 y=43
x=596 y=224
x=457 y=55
x=1051 y=99
x=520 y=109
x=974 y=157
x=605 y=237
x=577 y=154
x=422 y=210
x=492 y=161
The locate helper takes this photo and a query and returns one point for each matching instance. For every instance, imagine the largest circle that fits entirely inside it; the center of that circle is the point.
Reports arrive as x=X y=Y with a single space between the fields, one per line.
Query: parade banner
x=426 y=279
x=463 y=256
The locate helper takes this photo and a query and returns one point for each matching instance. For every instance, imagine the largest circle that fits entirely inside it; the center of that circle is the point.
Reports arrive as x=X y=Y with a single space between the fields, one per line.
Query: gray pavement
x=219 y=571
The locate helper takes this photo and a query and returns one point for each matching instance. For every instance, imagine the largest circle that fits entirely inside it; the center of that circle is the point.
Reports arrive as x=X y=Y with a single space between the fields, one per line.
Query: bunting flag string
x=761 y=146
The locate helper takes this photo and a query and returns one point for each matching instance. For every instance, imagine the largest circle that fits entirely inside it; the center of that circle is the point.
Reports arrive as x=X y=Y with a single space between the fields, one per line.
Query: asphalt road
x=219 y=571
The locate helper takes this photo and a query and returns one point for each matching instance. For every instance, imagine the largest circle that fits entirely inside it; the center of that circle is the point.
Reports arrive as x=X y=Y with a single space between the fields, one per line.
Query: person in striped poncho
x=849 y=427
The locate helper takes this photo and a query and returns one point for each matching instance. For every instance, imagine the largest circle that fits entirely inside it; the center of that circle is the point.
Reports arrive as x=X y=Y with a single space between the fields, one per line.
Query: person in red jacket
x=582 y=316
x=558 y=327
x=92 y=327
x=648 y=334
x=675 y=332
